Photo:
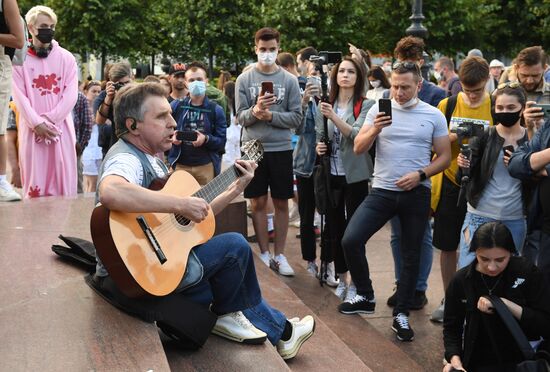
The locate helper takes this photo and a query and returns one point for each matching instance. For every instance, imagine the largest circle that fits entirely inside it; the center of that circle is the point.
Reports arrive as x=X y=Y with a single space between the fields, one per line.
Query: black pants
x=306 y=208
x=349 y=197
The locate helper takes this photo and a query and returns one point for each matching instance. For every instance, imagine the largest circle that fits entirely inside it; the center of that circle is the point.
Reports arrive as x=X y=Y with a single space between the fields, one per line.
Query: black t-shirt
x=544 y=197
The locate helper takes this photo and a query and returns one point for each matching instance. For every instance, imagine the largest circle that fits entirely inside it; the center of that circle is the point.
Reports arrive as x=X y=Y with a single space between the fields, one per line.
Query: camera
x=117 y=86
x=326 y=58
x=468 y=129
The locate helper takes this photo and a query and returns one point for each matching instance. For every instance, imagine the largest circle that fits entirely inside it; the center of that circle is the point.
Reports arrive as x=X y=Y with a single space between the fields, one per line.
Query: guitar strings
x=209 y=192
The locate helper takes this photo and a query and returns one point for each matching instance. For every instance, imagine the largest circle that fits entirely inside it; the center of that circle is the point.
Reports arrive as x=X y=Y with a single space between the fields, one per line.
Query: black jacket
x=521 y=283
x=485 y=154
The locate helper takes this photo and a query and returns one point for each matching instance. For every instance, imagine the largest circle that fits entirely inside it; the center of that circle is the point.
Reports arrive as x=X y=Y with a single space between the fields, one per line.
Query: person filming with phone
x=201 y=129
x=401 y=187
x=268 y=106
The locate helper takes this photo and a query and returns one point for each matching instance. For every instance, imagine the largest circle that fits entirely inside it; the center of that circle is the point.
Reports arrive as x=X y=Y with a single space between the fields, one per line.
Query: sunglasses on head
x=510 y=84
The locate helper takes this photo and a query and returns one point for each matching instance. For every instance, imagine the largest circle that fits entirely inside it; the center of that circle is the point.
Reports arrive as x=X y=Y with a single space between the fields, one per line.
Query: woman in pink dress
x=45 y=90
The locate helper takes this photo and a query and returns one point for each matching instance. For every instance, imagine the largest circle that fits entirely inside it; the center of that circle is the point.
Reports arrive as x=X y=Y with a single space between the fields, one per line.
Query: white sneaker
x=350 y=293
x=340 y=291
x=301 y=331
x=437 y=315
x=280 y=264
x=295 y=223
x=7 y=193
x=265 y=257
x=332 y=281
x=312 y=268
x=294 y=214
x=236 y=327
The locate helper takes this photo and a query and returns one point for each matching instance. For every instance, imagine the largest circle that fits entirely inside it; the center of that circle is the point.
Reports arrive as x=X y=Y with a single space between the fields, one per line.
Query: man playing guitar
x=227 y=278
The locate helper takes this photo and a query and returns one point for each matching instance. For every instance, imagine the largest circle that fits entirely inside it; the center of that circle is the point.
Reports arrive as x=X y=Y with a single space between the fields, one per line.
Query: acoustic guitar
x=146 y=253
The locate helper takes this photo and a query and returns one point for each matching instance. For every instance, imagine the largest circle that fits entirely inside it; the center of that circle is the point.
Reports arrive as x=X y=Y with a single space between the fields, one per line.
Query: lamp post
x=416 y=28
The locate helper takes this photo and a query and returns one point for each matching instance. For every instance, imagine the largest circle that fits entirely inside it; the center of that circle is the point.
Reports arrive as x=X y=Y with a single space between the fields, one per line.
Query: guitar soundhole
x=182 y=220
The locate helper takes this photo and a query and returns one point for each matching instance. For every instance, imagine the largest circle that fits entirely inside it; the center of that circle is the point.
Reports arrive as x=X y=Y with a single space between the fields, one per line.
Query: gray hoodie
x=287 y=112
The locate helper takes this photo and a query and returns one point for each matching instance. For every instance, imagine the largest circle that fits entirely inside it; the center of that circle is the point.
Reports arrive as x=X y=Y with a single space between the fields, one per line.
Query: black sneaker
x=358 y=305
x=419 y=300
x=401 y=327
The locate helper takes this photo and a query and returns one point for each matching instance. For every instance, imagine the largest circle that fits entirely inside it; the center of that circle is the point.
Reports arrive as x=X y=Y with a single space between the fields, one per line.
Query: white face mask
x=375 y=83
x=267 y=58
x=438 y=76
x=410 y=103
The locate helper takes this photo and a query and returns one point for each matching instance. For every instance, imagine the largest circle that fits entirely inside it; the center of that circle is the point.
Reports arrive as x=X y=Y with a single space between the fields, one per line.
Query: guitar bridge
x=151 y=238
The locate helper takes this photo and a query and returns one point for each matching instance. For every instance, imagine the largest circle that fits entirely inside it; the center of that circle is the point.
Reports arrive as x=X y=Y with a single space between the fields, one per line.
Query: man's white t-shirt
x=405 y=146
x=128 y=166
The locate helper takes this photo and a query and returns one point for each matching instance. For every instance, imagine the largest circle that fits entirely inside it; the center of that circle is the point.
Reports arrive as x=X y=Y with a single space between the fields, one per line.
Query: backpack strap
x=212 y=114
x=179 y=108
x=357 y=107
x=451 y=105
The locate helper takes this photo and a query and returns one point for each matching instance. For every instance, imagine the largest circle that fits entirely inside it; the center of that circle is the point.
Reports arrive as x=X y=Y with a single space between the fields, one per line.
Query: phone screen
x=384 y=105
x=267 y=87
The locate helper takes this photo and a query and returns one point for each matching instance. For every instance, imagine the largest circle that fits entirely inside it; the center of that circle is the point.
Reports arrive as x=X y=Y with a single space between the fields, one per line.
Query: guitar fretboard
x=212 y=189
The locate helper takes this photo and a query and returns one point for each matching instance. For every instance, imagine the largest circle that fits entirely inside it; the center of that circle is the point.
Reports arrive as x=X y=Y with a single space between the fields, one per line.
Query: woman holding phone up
x=492 y=194
x=350 y=173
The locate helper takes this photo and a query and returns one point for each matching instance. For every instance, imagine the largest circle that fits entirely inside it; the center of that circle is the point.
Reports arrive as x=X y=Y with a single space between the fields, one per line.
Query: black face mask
x=42 y=52
x=507 y=119
x=45 y=35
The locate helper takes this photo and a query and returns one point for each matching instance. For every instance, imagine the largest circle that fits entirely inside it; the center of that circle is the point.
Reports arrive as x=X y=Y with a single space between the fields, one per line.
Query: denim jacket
x=520 y=167
x=304 y=152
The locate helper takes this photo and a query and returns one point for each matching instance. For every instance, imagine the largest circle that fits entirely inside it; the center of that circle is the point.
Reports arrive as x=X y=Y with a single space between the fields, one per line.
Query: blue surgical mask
x=197 y=88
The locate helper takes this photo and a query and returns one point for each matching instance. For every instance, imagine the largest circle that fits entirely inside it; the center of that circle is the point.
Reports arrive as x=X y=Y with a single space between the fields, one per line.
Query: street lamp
x=416 y=28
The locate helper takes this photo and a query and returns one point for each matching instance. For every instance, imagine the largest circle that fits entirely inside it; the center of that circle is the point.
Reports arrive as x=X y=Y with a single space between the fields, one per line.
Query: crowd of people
x=460 y=164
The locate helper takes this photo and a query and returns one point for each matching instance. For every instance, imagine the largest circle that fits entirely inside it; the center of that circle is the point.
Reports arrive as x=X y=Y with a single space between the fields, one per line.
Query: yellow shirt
x=461 y=113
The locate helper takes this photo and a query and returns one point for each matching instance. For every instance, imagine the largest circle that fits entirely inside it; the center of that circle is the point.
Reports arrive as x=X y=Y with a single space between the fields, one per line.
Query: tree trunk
x=103 y=62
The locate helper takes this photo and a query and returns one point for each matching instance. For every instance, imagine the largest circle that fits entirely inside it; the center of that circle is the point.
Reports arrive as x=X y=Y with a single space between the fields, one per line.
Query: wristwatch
x=422 y=175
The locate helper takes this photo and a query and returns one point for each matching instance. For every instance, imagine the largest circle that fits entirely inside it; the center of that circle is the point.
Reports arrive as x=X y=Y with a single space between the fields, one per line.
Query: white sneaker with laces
x=437 y=315
x=340 y=291
x=295 y=223
x=265 y=257
x=312 y=268
x=280 y=264
x=236 y=327
x=7 y=193
x=351 y=293
x=332 y=281
x=301 y=331
x=294 y=214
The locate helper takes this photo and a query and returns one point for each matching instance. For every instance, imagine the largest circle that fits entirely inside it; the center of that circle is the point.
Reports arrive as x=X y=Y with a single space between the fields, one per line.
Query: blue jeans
x=472 y=222
x=230 y=284
x=426 y=253
x=412 y=208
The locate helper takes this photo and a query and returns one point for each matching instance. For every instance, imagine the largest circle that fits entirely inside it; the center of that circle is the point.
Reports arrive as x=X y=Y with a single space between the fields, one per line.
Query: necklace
x=494 y=286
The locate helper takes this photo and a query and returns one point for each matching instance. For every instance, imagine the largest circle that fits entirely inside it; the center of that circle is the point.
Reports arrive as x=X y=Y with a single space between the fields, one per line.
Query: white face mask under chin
x=410 y=103
x=267 y=58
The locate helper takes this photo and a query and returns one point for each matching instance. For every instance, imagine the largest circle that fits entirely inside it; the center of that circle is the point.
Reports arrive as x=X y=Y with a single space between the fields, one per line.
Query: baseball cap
x=177 y=68
x=496 y=63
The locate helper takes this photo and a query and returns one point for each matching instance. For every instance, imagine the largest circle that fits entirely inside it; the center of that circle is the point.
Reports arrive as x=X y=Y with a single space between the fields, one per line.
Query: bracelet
x=102 y=114
x=106 y=104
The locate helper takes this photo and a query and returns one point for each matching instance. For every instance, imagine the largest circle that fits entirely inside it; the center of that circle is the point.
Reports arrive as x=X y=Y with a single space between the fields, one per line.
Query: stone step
x=324 y=351
x=51 y=320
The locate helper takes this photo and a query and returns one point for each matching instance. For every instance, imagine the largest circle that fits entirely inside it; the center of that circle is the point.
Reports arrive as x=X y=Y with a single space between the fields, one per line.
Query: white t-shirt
x=405 y=146
x=336 y=165
x=129 y=167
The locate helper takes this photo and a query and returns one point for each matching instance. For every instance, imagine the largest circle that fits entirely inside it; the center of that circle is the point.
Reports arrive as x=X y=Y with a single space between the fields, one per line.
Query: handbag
x=324 y=199
x=534 y=361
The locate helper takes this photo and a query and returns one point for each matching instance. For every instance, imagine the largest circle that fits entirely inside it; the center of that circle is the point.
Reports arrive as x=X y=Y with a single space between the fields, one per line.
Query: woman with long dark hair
x=470 y=322
x=350 y=173
x=379 y=83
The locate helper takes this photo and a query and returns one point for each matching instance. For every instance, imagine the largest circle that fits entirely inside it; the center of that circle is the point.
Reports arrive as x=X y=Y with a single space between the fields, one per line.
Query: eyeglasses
x=407 y=66
x=510 y=84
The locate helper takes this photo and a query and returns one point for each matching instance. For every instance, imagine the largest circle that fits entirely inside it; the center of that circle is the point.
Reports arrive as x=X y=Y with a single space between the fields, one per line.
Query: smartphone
x=315 y=81
x=384 y=105
x=186 y=135
x=545 y=109
x=509 y=148
x=267 y=88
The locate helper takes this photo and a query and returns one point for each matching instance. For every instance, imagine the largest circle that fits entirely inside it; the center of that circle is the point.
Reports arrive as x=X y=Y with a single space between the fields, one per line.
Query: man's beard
x=534 y=86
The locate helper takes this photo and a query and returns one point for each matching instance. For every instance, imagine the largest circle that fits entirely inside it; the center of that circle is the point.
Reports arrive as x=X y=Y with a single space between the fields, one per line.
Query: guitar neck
x=212 y=189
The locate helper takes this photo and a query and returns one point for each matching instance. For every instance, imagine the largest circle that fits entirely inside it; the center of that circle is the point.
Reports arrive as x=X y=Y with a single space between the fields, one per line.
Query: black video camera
x=468 y=129
x=326 y=58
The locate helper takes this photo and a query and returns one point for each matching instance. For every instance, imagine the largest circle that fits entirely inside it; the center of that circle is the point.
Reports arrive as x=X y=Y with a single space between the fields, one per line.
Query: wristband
x=106 y=104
